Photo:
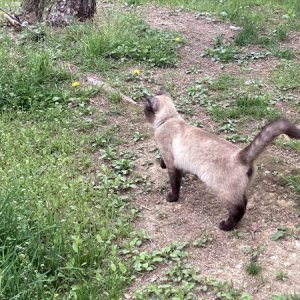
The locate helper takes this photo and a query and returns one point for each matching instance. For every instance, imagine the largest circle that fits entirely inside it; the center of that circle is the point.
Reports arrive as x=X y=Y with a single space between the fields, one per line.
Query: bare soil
x=271 y=203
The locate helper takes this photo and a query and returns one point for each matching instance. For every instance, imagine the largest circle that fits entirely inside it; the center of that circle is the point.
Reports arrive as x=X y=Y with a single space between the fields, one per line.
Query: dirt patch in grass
x=271 y=203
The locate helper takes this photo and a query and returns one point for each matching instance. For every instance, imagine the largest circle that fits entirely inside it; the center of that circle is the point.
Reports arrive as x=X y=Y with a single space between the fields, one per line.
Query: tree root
x=108 y=89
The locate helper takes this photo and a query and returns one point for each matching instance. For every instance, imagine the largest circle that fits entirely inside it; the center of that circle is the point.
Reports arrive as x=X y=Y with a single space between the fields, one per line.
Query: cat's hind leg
x=175 y=180
x=236 y=212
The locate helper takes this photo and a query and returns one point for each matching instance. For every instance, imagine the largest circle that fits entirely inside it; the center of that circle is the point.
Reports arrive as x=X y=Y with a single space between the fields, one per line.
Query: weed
x=245 y=106
x=287 y=76
x=194 y=70
x=253 y=16
x=30 y=80
x=283 y=232
x=133 y=2
x=162 y=216
x=237 y=138
x=293 y=181
x=281 y=33
x=138 y=92
x=197 y=123
x=197 y=91
x=51 y=237
x=124 y=36
x=253 y=268
x=181 y=281
x=287 y=54
x=144 y=261
x=221 y=52
x=254 y=252
x=286 y=297
x=114 y=97
x=138 y=136
x=248 y=35
x=237 y=234
x=223 y=83
x=291 y=144
x=281 y=276
x=204 y=240
x=229 y=126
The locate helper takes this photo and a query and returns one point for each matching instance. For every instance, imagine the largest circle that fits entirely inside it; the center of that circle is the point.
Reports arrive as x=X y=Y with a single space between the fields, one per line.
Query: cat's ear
x=151 y=102
x=163 y=91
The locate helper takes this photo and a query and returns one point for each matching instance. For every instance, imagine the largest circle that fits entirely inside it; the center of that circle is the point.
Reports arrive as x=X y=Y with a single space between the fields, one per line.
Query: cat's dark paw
x=162 y=164
x=225 y=227
x=172 y=198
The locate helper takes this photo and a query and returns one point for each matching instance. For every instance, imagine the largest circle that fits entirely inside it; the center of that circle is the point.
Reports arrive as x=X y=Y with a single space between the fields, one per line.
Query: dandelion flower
x=75 y=83
x=137 y=72
x=178 y=39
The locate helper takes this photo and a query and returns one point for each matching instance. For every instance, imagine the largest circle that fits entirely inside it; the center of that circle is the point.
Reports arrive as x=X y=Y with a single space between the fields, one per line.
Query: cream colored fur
x=221 y=165
x=215 y=161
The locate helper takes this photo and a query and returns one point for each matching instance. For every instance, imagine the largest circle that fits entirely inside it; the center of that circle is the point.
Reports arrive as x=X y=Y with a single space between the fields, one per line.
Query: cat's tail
x=266 y=136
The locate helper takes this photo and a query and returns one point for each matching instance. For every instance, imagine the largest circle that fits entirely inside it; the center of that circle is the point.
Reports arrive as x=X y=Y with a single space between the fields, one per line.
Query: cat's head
x=159 y=108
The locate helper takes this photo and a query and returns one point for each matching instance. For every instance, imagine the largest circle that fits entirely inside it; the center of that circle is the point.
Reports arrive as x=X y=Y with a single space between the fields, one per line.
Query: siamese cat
x=225 y=168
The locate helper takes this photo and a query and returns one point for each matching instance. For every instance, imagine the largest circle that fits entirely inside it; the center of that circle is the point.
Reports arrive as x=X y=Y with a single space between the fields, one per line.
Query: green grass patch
x=223 y=83
x=293 y=181
x=286 y=297
x=281 y=33
x=253 y=268
x=258 y=19
x=221 y=51
x=281 y=276
x=287 y=54
x=30 y=79
x=116 y=38
x=290 y=144
x=60 y=234
x=248 y=35
x=245 y=106
x=287 y=76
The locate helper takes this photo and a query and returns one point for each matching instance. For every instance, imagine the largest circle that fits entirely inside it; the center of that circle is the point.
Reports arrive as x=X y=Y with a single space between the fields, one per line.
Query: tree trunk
x=59 y=12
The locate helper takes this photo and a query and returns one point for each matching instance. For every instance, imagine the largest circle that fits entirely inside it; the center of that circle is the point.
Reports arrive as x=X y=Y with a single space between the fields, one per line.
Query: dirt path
x=271 y=203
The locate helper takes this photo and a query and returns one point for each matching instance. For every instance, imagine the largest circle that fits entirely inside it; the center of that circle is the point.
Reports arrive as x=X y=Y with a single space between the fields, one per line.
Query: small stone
x=297 y=244
x=234 y=27
x=178 y=206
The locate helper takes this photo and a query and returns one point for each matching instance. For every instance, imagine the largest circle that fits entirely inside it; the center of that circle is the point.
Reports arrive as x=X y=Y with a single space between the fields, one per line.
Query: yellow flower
x=178 y=39
x=137 y=72
x=75 y=83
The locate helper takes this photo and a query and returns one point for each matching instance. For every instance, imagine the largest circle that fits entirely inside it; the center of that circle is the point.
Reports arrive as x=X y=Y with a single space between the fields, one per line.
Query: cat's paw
x=225 y=227
x=172 y=198
x=162 y=164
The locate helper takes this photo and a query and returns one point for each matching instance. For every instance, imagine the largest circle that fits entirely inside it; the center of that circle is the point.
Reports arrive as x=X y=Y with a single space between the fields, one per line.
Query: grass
x=244 y=107
x=66 y=226
x=292 y=144
x=281 y=276
x=294 y=182
x=116 y=38
x=265 y=23
x=287 y=76
x=57 y=231
x=286 y=297
x=60 y=231
x=30 y=79
x=258 y=18
x=253 y=268
x=223 y=83
x=286 y=54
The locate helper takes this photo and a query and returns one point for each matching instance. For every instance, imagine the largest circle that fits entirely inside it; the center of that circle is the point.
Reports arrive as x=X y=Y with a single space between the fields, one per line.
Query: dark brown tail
x=266 y=136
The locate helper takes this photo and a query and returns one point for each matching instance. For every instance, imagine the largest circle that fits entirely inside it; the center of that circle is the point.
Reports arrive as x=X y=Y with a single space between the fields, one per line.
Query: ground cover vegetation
x=69 y=172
